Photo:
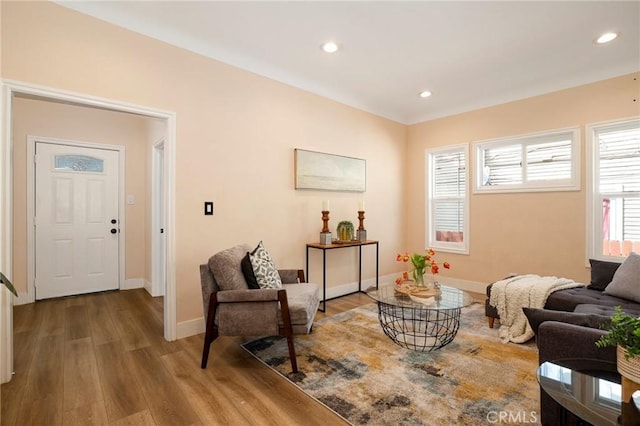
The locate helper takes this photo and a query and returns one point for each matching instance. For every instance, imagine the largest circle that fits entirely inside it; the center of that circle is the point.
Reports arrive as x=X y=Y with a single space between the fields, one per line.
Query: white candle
x=361 y=206
x=325 y=205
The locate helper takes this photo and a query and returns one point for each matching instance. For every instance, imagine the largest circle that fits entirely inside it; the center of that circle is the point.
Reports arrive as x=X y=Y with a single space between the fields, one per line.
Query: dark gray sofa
x=589 y=299
x=564 y=334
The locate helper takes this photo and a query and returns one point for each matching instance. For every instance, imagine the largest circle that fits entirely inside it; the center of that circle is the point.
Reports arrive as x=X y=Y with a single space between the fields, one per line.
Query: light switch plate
x=208 y=208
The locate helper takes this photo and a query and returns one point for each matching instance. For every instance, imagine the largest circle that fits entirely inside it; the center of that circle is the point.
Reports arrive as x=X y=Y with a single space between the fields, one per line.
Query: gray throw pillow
x=538 y=316
x=265 y=271
x=226 y=268
x=626 y=280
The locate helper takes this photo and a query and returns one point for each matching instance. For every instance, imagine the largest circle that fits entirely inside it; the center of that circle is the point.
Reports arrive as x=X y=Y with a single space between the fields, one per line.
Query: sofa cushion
x=225 y=267
x=303 y=300
x=538 y=316
x=601 y=273
x=567 y=300
x=626 y=280
x=265 y=271
x=609 y=311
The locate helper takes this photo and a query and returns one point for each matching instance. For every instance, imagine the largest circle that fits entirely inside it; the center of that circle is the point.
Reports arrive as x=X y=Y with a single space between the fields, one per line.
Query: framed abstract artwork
x=329 y=172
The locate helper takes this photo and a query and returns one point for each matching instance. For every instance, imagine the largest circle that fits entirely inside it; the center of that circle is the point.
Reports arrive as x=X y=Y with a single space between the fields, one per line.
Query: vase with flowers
x=422 y=264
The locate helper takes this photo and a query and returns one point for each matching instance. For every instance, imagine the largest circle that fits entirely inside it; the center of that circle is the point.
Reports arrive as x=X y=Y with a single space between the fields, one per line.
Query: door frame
x=157 y=181
x=31 y=190
x=9 y=88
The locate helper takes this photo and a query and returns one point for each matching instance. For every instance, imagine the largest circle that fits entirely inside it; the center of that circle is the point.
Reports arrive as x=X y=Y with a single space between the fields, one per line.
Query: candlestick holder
x=361 y=234
x=325 y=234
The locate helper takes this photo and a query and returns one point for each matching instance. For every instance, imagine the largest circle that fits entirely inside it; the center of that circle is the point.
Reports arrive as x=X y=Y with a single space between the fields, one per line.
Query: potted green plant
x=624 y=333
x=4 y=280
x=345 y=230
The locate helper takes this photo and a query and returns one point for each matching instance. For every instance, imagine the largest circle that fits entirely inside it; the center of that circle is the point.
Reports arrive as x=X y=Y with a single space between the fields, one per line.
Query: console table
x=325 y=247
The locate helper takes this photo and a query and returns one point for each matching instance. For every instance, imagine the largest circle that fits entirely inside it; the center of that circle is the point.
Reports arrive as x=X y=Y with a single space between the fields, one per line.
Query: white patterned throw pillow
x=265 y=271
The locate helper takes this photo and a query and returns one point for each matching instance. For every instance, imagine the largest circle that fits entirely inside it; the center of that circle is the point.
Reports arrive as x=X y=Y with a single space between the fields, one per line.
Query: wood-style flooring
x=101 y=359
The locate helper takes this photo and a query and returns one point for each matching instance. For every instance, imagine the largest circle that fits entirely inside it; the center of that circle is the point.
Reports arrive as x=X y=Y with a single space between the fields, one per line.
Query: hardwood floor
x=100 y=359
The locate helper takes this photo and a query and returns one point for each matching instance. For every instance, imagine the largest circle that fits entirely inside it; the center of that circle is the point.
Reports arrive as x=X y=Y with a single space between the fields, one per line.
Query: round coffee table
x=420 y=324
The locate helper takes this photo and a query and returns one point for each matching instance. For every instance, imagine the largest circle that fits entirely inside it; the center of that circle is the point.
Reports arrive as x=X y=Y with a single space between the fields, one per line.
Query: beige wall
x=542 y=233
x=236 y=132
x=61 y=121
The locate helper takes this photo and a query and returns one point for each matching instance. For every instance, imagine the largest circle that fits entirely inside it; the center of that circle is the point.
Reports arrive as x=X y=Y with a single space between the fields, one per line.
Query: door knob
x=114 y=230
x=114 y=221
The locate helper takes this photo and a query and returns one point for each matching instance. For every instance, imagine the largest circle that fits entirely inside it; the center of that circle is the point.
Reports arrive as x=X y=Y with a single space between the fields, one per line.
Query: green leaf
x=624 y=331
x=4 y=280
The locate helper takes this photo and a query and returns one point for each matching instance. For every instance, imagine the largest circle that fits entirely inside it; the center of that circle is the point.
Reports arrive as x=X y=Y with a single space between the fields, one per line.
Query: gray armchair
x=232 y=309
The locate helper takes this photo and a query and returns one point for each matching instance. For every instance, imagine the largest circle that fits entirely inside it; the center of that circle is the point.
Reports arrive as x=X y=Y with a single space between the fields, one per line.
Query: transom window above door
x=78 y=163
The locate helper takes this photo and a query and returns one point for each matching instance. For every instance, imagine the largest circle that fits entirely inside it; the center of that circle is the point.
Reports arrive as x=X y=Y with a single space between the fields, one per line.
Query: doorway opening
x=11 y=89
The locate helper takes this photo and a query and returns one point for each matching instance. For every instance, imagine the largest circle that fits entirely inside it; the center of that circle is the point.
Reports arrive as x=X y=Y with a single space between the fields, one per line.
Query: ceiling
x=468 y=54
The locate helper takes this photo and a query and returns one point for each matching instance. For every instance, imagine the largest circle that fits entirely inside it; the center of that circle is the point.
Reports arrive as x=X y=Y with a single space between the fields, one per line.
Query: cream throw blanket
x=509 y=296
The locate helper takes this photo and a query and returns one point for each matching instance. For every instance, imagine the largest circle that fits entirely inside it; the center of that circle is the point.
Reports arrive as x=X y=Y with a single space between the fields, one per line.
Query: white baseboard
x=466 y=285
x=197 y=326
x=347 y=288
x=131 y=283
x=147 y=286
x=22 y=299
x=190 y=328
x=128 y=284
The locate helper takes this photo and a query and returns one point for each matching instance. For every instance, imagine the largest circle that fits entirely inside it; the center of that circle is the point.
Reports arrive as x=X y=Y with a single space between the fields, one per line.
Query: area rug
x=348 y=364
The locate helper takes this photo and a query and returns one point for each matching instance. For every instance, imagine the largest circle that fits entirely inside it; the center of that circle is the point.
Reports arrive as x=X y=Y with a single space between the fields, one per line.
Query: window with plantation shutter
x=447 y=199
x=537 y=162
x=614 y=189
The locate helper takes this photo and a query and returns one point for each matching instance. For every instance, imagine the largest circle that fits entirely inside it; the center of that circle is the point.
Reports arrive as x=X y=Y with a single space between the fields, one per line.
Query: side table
x=324 y=248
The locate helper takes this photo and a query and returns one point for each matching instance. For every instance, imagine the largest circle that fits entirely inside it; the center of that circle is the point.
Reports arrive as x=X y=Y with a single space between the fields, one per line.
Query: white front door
x=76 y=218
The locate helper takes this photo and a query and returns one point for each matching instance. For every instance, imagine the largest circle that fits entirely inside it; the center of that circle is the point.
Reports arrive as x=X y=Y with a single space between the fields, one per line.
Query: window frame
x=570 y=184
x=430 y=231
x=594 y=235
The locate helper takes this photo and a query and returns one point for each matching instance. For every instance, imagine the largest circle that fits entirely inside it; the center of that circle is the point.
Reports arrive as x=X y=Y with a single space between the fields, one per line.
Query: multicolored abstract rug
x=352 y=367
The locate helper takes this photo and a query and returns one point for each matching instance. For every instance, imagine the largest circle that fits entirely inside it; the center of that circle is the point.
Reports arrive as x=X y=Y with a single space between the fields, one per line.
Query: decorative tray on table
x=416 y=291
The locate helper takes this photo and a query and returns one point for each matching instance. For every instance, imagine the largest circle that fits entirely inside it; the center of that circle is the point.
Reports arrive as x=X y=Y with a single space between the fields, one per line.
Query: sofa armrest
x=557 y=340
x=291 y=276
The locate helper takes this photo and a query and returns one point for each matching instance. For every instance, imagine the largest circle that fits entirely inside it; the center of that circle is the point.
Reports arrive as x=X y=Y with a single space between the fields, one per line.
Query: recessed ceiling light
x=606 y=38
x=425 y=94
x=330 y=47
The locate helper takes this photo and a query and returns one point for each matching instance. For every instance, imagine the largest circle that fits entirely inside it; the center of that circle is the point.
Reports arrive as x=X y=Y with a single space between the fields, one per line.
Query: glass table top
x=449 y=298
x=590 y=389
